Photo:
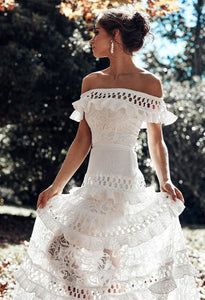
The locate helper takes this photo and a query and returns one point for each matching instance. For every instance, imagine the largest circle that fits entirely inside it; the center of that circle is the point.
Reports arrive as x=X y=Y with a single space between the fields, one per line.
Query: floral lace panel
x=72 y=280
x=113 y=127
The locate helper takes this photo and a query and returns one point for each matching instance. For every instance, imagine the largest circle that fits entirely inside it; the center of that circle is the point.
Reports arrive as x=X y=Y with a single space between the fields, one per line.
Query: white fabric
x=113 y=237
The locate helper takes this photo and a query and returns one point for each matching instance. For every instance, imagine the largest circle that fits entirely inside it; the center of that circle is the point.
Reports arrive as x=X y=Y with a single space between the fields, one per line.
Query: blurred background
x=45 y=53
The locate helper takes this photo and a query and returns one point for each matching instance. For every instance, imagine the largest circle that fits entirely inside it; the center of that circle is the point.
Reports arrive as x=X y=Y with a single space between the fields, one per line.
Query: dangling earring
x=112 y=47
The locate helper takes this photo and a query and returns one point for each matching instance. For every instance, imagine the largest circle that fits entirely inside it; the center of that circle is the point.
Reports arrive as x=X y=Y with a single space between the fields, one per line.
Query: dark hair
x=133 y=26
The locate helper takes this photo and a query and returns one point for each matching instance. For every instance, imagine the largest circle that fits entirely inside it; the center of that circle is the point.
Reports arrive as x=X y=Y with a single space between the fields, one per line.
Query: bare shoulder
x=153 y=85
x=88 y=81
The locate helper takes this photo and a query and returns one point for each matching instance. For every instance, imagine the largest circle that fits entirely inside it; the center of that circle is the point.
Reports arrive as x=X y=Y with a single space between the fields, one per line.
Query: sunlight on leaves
x=89 y=9
x=7 y=5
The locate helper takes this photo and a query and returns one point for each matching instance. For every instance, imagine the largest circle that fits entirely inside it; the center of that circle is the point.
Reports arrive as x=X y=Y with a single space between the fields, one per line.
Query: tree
x=179 y=28
x=41 y=71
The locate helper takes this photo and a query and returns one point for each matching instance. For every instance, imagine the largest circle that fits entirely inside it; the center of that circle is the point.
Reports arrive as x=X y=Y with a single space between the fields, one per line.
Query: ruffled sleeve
x=144 y=107
x=155 y=111
x=79 y=109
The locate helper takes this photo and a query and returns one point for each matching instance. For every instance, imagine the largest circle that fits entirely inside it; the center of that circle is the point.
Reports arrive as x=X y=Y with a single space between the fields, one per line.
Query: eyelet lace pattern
x=116 y=182
x=88 y=249
x=64 y=270
x=129 y=96
x=112 y=238
x=150 y=102
x=138 y=106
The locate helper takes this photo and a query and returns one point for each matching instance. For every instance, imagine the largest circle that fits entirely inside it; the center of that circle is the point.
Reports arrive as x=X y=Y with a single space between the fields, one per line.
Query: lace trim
x=143 y=101
x=128 y=255
x=119 y=183
x=134 y=92
x=56 y=260
x=149 y=108
x=61 y=254
x=158 y=282
x=95 y=223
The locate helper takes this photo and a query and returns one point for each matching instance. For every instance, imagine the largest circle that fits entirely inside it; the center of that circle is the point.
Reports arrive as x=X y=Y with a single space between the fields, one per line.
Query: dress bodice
x=116 y=115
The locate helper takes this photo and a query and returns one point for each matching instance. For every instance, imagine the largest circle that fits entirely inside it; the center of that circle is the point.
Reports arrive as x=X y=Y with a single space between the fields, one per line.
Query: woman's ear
x=116 y=34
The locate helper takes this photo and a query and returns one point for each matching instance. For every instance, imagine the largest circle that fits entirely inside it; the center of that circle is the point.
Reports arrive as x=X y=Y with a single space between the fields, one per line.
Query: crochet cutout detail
x=131 y=97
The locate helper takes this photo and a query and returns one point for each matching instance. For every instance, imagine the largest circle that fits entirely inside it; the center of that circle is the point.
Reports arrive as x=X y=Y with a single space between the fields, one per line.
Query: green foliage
x=185 y=31
x=185 y=140
x=186 y=145
x=43 y=62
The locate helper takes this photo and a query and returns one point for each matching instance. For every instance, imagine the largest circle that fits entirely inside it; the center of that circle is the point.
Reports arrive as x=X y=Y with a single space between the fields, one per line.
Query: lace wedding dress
x=113 y=237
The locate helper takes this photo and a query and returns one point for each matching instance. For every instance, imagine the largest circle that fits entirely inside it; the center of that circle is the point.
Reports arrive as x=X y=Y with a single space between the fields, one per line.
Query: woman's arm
x=160 y=158
x=76 y=154
x=158 y=149
x=158 y=152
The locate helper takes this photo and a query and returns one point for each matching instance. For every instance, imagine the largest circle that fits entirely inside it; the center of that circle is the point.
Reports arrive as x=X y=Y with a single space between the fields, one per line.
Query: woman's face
x=101 y=42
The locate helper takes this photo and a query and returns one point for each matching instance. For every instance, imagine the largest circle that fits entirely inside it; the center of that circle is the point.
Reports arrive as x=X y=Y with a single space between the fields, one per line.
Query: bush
x=43 y=59
x=185 y=142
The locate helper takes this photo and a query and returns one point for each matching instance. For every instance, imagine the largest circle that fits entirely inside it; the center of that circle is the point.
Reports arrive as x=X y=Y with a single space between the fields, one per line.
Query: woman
x=113 y=237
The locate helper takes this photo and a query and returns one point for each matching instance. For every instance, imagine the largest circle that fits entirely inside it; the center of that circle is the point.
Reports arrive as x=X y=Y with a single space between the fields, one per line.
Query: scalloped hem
x=181 y=288
x=34 y=272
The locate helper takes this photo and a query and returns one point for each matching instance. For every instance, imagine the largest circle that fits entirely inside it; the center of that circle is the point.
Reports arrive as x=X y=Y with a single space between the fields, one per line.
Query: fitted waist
x=112 y=158
x=114 y=146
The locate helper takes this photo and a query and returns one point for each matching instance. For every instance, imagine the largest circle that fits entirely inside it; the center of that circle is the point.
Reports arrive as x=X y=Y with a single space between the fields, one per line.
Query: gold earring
x=112 y=47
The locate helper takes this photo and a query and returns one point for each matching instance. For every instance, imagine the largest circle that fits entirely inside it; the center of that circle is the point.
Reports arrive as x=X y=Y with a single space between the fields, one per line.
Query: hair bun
x=137 y=16
x=141 y=23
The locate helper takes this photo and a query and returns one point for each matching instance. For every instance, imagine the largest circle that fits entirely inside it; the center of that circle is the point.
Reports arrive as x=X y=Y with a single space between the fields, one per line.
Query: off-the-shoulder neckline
x=120 y=89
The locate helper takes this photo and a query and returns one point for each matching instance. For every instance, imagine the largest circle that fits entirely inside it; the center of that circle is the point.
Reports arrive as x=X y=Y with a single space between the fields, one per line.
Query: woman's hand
x=172 y=190
x=45 y=195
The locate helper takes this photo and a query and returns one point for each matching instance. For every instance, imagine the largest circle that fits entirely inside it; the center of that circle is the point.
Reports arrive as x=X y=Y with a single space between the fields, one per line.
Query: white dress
x=113 y=237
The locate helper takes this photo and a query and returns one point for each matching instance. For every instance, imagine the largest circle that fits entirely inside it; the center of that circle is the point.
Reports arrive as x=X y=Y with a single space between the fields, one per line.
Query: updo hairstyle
x=133 y=26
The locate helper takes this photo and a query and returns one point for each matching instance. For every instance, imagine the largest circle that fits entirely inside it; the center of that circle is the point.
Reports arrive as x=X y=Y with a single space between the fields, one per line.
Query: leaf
x=3 y=287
